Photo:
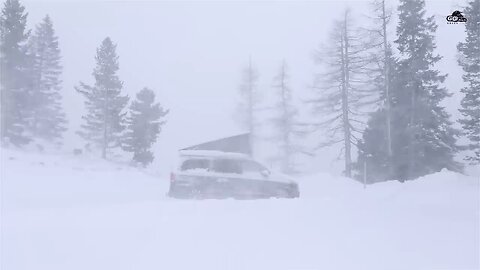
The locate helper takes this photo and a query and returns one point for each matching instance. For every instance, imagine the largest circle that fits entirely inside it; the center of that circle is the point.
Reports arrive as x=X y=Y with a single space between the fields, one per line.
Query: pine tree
x=341 y=90
x=48 y=119
x=249 y=102
x=285 y=120
x=105 y=119
x=470 y=62
x=144 y=126
x=14 y=76
x=430 y=139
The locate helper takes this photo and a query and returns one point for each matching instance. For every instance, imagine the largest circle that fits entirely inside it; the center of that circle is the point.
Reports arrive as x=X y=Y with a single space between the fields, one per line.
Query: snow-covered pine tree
x=14 y=77
x=48 y=119
x=429 y=140
x=470 y=62
x=341 y=90
x=248 y=104
x=144 y=124
x=105 y=119
x=284 y=121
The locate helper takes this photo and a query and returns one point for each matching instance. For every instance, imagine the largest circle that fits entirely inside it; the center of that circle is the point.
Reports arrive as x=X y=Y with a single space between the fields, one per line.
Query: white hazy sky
x=191 y=54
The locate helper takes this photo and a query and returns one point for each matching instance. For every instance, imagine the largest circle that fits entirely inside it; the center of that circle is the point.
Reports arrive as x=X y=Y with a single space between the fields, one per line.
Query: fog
x=404 y=195
x=191 y=54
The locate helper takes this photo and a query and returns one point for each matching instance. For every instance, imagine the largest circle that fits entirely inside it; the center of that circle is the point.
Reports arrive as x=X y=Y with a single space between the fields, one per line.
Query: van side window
x=193 y=164
x=251 y=166
x=227 y=166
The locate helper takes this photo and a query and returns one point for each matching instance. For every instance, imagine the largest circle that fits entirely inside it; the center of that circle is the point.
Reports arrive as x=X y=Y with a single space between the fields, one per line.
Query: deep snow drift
x=64 y=212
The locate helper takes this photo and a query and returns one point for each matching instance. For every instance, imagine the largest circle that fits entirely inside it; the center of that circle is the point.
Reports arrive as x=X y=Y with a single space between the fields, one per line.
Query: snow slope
x=63 y=212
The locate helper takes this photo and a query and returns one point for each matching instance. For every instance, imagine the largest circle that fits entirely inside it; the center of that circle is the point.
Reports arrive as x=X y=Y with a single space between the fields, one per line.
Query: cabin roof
x=233 y=144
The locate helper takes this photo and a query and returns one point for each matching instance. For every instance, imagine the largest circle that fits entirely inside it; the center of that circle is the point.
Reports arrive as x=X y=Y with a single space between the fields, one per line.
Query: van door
x=226 y=173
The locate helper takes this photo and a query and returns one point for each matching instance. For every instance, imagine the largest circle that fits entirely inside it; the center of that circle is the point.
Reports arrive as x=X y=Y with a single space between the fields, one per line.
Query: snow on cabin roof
x=233 y=144
x=213 y=153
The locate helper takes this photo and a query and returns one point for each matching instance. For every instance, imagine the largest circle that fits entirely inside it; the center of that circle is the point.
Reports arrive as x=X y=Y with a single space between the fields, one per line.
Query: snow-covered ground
x=65 y=212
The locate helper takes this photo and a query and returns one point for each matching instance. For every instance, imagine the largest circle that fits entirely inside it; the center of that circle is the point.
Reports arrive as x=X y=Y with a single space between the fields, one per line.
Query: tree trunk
x=412 y=131
x=345 y=86
x=250 y=107
x=387 y=83
x=285 y=122
x=105 y=112
x=3 y=110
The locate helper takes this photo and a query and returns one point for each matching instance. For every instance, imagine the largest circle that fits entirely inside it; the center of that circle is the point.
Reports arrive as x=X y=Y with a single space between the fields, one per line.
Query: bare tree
x=381 y=62
x=248 y=102
x=284 y=121
x=341 y=89
x=385 y=18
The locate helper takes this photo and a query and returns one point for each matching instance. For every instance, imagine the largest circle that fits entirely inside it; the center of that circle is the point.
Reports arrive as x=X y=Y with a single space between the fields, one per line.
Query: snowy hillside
x=62 y=212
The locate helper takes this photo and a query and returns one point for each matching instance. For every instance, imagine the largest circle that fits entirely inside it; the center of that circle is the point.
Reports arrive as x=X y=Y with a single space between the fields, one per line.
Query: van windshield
x=227 y=166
